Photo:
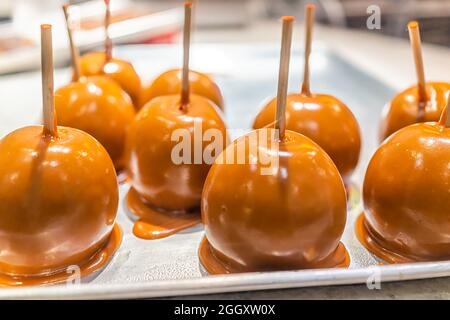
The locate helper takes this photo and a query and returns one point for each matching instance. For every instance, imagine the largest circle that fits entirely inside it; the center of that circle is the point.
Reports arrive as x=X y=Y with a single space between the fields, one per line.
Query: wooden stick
x=108 y=41
x=186 y=47
x=309 y=23
x=283 y=75
x=416 y=46
x=47 y=81
x=73 y=49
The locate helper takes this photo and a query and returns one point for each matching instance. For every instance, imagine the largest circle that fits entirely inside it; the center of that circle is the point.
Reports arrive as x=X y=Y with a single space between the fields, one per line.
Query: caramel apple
x=170 y=82
x=98 y=106
x=166 y=184
x=321 y=117
x=103 y=63
x=423 y=102
x=406 y=195
x=58 y=198
x=121 y=71
x=282 y=208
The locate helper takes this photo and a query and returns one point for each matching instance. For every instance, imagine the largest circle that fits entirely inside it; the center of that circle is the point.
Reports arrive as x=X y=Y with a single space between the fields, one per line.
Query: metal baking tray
x=247 y=74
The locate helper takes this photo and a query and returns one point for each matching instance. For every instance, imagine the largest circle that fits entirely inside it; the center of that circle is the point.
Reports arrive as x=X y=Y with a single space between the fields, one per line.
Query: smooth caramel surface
x=325 y=120
x=121 y=71
x=406 y=193
x=98 y=106
x=290 y=219
x=153 y=174
x=404 y=109
x=58 y=200
x=169 y=83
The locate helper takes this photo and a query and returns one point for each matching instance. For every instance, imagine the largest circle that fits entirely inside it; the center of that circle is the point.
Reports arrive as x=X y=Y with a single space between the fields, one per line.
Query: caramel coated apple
x=406 y=196
x=324 y=119
x=159 y=179
x=169 y=83
x=291 y=216
x=404 y=109
x=58 y=201
x=121 y=71
x=98 y=106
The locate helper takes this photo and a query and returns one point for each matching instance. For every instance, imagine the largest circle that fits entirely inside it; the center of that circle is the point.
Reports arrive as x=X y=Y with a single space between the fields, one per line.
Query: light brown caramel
x=58 y=204
x=169 y=83
x=159 y=182
x=98 y=106
x=157 y=224
x=325 y=120
x=94 y=264
x=290 y=219
x=406 y=196
x=369 y=240
x=121 y=71
x=405 y=110
x=215 y=264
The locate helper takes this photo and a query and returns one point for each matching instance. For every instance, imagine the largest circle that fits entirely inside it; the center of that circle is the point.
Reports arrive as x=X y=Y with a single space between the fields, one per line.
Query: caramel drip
x=367 y=239
x=153 y=224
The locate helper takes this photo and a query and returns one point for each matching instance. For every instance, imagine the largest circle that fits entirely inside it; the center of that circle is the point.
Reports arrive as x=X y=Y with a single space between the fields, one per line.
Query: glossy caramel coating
x=153 y=174
x=406 y=194
x=325 y=120
x=98 y=106
x=121 y=71
x=58 y=200
x=403 y=110
x=169 y=83
x=292 y=218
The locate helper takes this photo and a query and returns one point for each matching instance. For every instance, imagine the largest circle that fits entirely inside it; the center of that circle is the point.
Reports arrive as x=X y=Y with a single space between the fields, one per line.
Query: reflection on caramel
x=353 y=195
x=154 y=224
x=169 y=83
x=290 y=217
x=371 y=242
x=121 y=71
x=405 y=109
x=95 y=263
x=215 y=264
x=406 y=196
x=122 y=176
x=325 y=120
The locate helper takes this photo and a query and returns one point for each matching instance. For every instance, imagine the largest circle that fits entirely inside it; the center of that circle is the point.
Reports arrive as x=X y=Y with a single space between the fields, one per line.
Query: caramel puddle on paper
x=215 y=266
x=154 y=224
x=95 y=263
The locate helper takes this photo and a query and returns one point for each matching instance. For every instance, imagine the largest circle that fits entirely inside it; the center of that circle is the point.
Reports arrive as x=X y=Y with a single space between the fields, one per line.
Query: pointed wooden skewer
x=108 y=41
x=283 y=75
x=309 y=23
x=186 y=47
x=416 y=46
x=47 y=81
x=73 y=49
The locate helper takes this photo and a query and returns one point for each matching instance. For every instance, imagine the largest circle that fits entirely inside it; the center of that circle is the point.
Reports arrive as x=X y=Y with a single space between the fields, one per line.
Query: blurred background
x=160 y=21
